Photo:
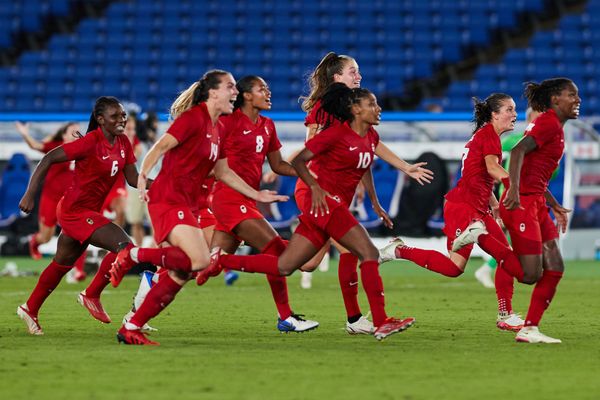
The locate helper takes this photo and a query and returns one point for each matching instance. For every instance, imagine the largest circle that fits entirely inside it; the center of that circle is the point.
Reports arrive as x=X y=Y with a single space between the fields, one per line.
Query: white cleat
x=146 y=328
x=295 y=323
x=531 y=334
x=33 y=326
x=483 y=274
x=361 y=327
x=511 y=322
x=469 y=235
x=388 y=252
x=305 y=280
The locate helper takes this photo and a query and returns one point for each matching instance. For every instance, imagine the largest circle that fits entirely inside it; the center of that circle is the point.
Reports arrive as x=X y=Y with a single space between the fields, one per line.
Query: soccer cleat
x=33 y=248
x=388 y=252
x=95 y=308
x=214 y=267
x=531 y=334
x=295 y=323
x=483 y=274
x=146 y=328
x=230 y=277
x=511 y=322
x=305 y=280
x=361 y=327
x=121 y=265
x=469 y=235
x=33 y=326
x=391 y=326
x=134 y=336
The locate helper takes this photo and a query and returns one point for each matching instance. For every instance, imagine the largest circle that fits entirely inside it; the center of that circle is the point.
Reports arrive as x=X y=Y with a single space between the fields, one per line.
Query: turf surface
x=220 y=342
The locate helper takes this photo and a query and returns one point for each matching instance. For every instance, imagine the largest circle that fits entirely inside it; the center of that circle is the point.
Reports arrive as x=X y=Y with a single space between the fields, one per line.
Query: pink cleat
x=214 y=267
x=391 y=326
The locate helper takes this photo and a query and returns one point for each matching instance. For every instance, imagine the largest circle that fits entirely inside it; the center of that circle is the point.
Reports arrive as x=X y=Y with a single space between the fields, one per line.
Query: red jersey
x=312 y=117
x=247 y=144
x=185 y=167
x=475 y=185
x=97 y=167
x=59 y=176
x=341 y=158
x=539 y=164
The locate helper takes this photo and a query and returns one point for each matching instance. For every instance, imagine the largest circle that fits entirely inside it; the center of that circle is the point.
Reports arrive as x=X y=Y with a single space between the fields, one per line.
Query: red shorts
x=81 y=224
x=231 y=207
x=529 y=226
x=318 y=229
x=165 y=217
x=206 y=218
x=48 y=208
x=457 y=216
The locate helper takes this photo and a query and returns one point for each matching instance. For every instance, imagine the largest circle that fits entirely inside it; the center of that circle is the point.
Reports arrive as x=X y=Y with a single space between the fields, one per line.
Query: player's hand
x=512 y=201
x=22 y=128
x=420 y=174
x=26 y=204
x=319 y=202
x=269 y=177
x=383 y=216
x=141 y=185
x=270 y=196
x=562 y=217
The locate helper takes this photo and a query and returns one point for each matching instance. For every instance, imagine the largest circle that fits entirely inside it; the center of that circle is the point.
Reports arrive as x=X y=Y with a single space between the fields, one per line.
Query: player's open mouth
x=576 y=110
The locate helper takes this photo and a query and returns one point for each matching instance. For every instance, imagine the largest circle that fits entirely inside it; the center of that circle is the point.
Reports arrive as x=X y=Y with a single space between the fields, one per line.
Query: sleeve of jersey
x=49 y=146
x=80 y=148
x=540 y=132
x=274 y=143
x=182 y=127
x=491 y=145
x=322 y=142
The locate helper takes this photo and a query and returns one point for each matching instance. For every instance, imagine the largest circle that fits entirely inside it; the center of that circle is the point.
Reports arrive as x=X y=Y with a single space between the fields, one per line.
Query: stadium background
x=423 y=59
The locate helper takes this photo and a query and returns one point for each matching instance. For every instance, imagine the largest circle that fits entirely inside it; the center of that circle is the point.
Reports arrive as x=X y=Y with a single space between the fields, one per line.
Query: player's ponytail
x=539 y=95
x=322 y=77
x=196 y=93
x=483 y=109
x=102 y=103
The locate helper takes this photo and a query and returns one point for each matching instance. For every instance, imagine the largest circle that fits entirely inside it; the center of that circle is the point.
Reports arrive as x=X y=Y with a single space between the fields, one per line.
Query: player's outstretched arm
x=415 y=171
x=55 y=156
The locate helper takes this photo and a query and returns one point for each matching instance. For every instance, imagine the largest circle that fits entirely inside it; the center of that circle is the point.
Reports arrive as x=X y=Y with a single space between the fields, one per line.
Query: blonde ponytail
x=183 y=102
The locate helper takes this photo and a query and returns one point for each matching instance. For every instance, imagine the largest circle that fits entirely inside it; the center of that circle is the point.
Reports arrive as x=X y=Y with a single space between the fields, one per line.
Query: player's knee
x=370 y=252
x=531 y=277
x=199 y=261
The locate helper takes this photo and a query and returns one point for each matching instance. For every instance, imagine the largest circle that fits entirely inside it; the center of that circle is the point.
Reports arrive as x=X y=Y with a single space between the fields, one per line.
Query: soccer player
x=101 y=156
x=525 y=205
x=473 y=200
x=57 y=181
x=249 y=139
x=339 y=157
x=190 y=148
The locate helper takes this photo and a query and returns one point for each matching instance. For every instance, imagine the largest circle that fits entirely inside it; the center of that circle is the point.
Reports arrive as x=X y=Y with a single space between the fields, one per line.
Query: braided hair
x=539 y=95
x=337 y=103
x=102 y=103
x=197 y=92
x=483 y=109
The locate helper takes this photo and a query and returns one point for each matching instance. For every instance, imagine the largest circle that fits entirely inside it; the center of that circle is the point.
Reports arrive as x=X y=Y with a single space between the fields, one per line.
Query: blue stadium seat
x=13 y=183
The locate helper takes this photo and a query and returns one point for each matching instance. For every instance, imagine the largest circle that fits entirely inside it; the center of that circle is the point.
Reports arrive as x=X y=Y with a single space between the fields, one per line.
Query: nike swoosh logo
x=208 y=136
x=352 y=148
x=247 y=132
x=105 y=157
x=353 y=283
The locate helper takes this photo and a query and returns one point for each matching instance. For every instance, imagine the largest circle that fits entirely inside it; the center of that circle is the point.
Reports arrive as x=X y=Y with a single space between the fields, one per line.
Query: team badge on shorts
x=336 y=198
x=522 y=227
x=457 y=233
x=243 y=209
x=90 y=221
x=122 y=153
x=180 y=215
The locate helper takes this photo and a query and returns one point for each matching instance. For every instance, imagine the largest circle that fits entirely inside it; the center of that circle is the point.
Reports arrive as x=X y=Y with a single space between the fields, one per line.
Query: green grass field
x=220 y=342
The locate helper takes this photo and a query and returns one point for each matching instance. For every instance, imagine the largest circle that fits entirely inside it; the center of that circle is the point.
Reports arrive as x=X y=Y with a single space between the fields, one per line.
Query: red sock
x=506 y=258
x=278 y=284
x=429 y=259
x=504 y=290
x=542 y=296
x=102 y=277
x=371 y=280
x=80 y=263
x=157 y=299
x=49 y=280
x=348 y=277
x=169 y=257
x=261 y=263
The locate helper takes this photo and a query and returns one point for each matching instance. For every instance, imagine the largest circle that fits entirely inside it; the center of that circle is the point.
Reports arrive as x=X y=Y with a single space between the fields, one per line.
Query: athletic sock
x=348 y=277
x=429 y=259
x=261 y=263
x=169 y=257
x=49 y=280
x=504 y=284
x=278 y=284
x=542 y=296
x=371 y=280
x=158 y=298
x=102 y=277
x=501 y=252
x=80 y=263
